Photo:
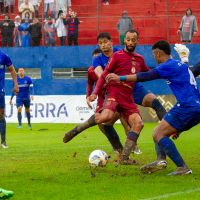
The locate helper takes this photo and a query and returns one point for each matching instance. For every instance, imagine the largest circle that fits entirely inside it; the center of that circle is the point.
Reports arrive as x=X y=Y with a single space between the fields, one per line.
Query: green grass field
x=39 y=166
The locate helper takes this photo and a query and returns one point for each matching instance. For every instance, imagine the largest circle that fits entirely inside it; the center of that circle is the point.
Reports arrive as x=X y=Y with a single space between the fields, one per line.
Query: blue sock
x=159 y=109
x=3 y=130
x=132 y=136
x=161 y=155
x=28 y=115
x=19 y=117
x=170 y=149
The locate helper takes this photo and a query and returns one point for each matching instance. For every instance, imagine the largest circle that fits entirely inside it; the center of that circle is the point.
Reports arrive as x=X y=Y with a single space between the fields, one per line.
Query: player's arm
x=139 y=77
x=89 y=88
x=11 y=98
x=31 y=89
x=102 y=79
x=14 y=77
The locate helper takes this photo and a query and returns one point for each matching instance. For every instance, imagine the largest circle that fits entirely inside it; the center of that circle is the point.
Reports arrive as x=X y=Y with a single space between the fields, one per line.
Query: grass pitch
x=39 y=166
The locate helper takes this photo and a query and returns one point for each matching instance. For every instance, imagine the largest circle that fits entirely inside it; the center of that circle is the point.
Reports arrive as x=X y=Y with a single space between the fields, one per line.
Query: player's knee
x=138 y=125
x=148 y=99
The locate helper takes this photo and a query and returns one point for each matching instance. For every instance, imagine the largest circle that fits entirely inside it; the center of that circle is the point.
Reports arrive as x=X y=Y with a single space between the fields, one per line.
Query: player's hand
x=182 y=51
x=16 y=89
x=112 y=77
x=92 y=97
x=10 y=102
x=88 y=103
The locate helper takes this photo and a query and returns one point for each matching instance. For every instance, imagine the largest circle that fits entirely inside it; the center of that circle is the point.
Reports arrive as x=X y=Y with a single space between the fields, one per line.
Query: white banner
x=53 y=109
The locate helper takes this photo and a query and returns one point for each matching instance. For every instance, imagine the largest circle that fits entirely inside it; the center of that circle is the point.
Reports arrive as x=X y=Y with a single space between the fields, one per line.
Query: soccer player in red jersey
x=120 y=95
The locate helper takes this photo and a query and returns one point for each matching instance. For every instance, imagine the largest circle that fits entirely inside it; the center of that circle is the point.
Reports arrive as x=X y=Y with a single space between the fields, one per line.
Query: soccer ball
x=98 y=158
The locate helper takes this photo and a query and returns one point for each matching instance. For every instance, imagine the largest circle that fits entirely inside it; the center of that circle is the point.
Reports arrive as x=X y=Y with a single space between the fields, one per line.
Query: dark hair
x=189 y=10
x=132 y=31
x=104 y=35
x=96 y=51
x=162 y=45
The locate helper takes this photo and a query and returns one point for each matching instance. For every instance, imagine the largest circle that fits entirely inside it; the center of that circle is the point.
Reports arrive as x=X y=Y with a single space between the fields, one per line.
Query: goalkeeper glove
x=183 y=52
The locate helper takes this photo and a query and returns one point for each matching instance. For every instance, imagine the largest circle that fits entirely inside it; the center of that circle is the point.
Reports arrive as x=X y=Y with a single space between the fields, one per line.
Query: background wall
x=76 y=57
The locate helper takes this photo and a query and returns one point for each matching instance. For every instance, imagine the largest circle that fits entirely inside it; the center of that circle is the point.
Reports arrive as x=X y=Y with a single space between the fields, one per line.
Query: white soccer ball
x=98 y=158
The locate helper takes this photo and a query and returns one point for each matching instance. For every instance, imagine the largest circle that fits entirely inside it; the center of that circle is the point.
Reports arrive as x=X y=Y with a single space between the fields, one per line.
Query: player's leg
x=2 y=120
x=5 y=194
x=19 y=105
x=178 y=119
x=79 y=128
x=127 y=128
x=27 y=104
x=136 y=125
x=19 y=116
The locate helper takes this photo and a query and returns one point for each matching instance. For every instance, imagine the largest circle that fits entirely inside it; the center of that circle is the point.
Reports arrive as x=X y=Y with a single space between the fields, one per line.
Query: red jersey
x=91 y=82
x=122 y=63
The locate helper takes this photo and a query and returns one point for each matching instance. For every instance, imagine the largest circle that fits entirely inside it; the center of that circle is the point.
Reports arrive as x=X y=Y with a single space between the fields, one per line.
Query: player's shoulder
x=90 y=69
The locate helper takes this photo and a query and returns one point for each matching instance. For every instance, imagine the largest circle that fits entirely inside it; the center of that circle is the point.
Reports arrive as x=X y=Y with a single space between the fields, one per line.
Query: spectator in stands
x=26 y=9
x=7 y=27
x=125 y=23
x=72 y=28
x=2 y=6
x=23 y=27
x=105 y=2
x=35 y=32
x=49 y=8
x=188 y=27
x=64 y=5
x=9 y=5
x=17 y=33
x=36 y=4
x=50 y=32
x=60 y=27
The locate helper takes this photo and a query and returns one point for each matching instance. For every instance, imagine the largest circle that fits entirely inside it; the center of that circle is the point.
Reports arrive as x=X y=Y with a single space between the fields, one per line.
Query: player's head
x=131 y=40
x=21 y=72
x=96 y=52
x=161 y=50
x=105 y=42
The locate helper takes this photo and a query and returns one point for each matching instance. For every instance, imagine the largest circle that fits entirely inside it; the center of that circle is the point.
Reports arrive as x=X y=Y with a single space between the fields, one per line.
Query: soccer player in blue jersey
x=183 y=116
x=5 y=62
x=24 y=96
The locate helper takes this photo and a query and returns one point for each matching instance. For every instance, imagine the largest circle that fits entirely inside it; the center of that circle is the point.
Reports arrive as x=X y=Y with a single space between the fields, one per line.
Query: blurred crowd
x=27 y=29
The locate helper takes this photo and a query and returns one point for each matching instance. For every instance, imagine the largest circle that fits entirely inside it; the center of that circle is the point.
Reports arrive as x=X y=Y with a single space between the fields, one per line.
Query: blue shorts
x=183 y=117
x=21 y=102
x=2 y=100
x=139 y=93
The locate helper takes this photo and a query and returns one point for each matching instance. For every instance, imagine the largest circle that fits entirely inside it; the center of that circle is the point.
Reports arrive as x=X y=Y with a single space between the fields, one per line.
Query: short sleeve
x=96 y=62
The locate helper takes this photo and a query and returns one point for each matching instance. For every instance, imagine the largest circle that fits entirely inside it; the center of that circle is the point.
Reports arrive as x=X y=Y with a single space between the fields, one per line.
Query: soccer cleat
x=4 y=145
x=181 y=171
x=137 y=150
x=69 y=135
x=19 y=126
x=154 y=166
x=29 y=126
x=5 y=194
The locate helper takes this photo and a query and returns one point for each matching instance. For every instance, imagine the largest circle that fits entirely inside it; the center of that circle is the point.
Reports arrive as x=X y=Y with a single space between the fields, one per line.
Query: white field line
x=173 y=194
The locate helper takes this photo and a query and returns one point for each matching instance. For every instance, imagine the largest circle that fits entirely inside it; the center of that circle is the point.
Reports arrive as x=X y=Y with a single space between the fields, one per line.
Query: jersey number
x=192 y=79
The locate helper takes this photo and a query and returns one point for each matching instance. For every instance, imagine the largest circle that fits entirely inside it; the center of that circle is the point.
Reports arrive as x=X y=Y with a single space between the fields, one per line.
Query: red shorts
x=121 y=100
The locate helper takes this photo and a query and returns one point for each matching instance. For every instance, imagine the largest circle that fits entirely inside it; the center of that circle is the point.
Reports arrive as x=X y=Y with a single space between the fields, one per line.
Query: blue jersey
x=180 y=80
x=25 y=87
x=4 y=62
x=102 y=60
